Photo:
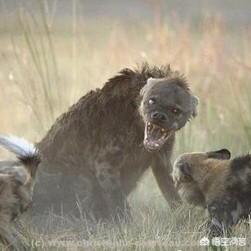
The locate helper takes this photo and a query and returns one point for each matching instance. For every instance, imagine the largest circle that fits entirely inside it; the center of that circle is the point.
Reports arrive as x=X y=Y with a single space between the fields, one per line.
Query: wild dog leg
x=224 y=213
x=7 y=204
x=7 y=239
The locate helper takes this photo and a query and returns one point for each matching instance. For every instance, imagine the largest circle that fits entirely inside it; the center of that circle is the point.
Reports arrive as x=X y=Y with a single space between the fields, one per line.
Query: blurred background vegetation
x=52 y=52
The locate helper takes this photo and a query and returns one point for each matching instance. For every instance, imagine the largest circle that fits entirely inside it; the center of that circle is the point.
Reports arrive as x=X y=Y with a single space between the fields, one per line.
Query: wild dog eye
x=151 y=101
x=185 y=169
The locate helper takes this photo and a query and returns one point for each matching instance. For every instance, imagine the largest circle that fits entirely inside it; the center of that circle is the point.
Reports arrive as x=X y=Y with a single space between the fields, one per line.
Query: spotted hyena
x=95 y=154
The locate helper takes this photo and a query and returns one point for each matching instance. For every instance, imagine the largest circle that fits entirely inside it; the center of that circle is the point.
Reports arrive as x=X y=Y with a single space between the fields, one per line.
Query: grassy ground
x=43 y=70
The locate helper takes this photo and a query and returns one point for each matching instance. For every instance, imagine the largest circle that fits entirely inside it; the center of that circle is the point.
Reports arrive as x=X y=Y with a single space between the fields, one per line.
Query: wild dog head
x=194 y=172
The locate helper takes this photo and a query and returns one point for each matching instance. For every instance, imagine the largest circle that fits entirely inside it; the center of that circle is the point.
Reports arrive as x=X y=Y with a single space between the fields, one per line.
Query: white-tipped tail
x=21 y=147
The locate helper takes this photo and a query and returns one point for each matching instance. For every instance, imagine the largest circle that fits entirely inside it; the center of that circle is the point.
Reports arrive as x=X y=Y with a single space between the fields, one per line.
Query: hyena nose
x=158 y=116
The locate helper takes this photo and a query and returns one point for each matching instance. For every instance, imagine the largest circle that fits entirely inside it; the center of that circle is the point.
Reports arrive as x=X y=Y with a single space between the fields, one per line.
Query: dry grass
x=43 y=70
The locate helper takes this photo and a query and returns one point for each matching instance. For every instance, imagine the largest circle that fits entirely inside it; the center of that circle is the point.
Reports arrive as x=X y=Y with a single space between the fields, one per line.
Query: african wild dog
x=218 y=183
x=16 y=185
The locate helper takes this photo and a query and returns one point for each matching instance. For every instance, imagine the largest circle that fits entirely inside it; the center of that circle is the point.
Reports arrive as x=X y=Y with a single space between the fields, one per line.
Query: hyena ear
x=149 y=83
x=223 y=154
x=194 y=102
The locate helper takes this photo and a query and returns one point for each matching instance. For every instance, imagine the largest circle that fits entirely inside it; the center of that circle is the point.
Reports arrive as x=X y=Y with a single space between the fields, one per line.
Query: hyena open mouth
x=155 y=136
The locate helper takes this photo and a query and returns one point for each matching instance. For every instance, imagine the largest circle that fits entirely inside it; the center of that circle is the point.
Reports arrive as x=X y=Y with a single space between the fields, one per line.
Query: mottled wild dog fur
x=16 y=185
x=94 y=154
x=214 y=181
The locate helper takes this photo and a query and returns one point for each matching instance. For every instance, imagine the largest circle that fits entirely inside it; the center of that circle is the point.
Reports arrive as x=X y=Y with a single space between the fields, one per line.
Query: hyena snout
x=158 y=116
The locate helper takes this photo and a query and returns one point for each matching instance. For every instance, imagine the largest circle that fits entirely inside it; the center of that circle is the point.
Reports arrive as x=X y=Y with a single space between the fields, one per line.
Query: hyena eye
x=151 y=101
x=176 y=111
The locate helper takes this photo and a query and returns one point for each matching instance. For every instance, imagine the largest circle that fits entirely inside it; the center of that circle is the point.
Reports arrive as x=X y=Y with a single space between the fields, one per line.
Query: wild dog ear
x=223 y=154
x=194 y=103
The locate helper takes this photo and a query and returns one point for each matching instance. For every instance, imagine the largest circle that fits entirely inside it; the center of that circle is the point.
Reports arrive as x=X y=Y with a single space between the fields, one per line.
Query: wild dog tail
x=25 y=151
